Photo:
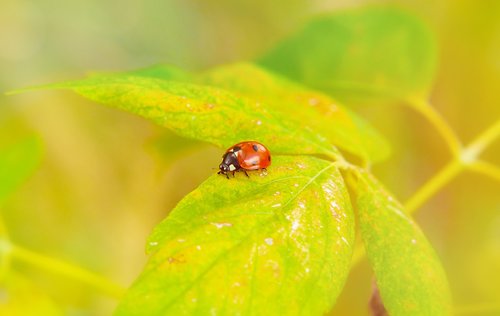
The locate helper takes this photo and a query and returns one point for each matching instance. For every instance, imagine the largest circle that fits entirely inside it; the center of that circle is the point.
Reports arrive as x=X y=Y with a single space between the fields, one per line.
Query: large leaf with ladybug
x=279 y=244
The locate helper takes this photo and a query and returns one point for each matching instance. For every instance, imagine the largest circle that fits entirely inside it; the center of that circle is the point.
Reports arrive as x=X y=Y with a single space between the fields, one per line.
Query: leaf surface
x=371 y=51
x=279 y=244
x=201 y=112
x=308 y=108
x=409 y=275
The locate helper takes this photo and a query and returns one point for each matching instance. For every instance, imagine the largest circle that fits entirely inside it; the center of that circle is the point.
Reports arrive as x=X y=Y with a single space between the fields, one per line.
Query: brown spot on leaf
x=176 y=260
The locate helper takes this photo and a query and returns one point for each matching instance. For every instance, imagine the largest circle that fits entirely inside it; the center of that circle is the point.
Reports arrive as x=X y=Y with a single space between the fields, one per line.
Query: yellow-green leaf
x=201 y=112
x=312 y=109
x=279 y=244
x=409 y=275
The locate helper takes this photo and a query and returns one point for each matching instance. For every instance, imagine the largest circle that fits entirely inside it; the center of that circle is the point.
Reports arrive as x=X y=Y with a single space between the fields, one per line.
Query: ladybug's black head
x=229 y=163
x=223 y=168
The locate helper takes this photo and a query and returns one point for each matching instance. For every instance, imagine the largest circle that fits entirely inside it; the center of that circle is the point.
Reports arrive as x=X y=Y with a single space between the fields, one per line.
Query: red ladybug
x=249 y=155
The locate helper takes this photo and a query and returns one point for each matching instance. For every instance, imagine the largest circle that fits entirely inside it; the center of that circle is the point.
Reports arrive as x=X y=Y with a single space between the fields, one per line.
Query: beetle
x=245 y=156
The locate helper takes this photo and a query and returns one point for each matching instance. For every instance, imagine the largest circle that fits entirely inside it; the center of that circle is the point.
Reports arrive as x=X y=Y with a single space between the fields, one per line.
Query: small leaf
x=17 y=162
x=374 y=50
x=409 y=275
x=309 y=108
x=201 y=112
x=279 y=244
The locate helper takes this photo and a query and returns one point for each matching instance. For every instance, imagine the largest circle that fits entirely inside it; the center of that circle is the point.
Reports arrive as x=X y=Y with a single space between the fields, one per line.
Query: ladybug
x=244 y=156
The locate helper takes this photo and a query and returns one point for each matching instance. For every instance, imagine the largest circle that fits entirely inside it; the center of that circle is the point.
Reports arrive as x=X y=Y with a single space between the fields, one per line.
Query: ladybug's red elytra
x=244 y=156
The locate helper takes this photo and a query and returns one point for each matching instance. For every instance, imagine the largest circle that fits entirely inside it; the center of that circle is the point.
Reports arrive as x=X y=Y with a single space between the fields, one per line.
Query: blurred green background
x=107 y=177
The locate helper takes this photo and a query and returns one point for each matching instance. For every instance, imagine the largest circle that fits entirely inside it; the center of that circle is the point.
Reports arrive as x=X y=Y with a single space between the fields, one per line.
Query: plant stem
x=429 y=112
x=9 y=251
x=62 y=268
x=485 y=139
x=466 y=158
x=485 y=168
x=433 y=185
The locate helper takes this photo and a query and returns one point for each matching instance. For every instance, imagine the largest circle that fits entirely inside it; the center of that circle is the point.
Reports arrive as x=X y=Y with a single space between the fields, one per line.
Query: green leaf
x=409 y=275
x=374 y=50
x=279 y=244
x=17 y=162
x=201 y=112
x=311 y=109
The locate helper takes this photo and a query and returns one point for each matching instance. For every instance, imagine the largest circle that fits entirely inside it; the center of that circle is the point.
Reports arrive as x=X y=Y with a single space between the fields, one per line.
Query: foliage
x=212 y=232
x=408 y=273
x=282 y=242
x=373 y=52
x=248 y=246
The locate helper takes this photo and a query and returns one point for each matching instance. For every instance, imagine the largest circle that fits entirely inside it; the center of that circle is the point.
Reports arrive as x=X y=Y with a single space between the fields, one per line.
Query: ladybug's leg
x=246 y=173
x=233 y=174
x=227 y=176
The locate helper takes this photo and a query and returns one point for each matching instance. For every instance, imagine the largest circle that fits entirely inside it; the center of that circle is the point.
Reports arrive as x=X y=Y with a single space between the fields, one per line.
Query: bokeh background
x=108 y=177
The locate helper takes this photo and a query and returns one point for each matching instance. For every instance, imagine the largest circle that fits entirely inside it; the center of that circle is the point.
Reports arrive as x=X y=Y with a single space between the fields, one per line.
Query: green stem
x=485 y=168
x=484 y=140
x=62 y=268
x=433 y=185
x=466 y=158
x=429 y=112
